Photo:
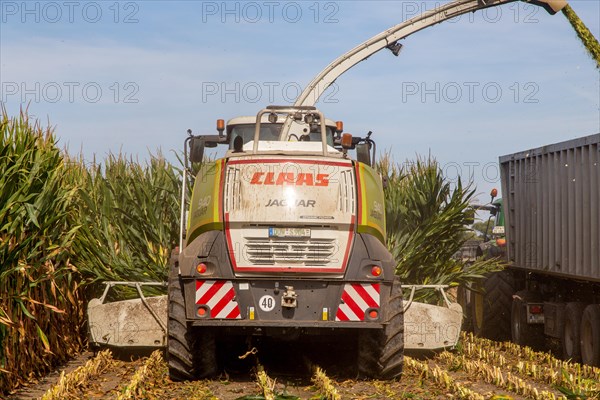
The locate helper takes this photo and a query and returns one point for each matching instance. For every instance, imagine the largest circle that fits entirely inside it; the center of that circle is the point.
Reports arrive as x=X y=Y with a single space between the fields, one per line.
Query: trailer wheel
x=590 y=335
x=522 y=333
x=381 y=352
x=571 y=328
x=491 y=305
x=188 y=357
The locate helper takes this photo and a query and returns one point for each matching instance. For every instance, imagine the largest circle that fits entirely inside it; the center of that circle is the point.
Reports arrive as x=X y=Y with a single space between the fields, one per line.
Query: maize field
x=64 y=226
x=477 y=369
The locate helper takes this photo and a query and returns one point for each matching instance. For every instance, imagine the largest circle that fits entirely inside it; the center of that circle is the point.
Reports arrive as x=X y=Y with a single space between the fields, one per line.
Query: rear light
x=501 y=242
x=201 y=268
x=376 y=270
x=202 y=312
x=536 y=309
x=372 y=314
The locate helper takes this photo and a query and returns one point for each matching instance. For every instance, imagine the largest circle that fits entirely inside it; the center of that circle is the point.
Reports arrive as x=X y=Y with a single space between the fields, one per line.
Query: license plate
x=498 y=230
x=289 y=232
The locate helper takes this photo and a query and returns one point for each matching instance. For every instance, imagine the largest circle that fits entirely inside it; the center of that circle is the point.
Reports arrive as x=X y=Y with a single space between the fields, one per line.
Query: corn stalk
x=575 y=378
x=325 y=385
x=527 y=355
x=80 y=377
x=129 y=219
x=427 y=218
x=266 y=384
x=41 y=313
x=442 y=378
x=494 y=375
x=153 y=367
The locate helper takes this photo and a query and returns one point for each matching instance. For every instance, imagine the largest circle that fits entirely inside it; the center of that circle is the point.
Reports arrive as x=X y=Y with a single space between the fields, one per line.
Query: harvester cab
x=276 y=125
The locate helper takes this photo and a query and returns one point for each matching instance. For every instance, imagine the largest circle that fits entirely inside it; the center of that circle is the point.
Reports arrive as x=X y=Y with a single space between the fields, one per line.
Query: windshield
x=271 y=132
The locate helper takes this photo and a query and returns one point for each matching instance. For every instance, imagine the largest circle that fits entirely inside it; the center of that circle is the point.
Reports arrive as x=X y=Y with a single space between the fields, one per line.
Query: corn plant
x=41 y=314
x=129 y=219
x=427 y=218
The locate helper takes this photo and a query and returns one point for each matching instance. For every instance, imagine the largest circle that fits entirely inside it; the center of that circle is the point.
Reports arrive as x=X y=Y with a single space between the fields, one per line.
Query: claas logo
x=289 y=178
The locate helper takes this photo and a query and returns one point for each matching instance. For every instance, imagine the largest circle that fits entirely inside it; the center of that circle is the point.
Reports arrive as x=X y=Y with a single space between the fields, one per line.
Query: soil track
x=477 y=369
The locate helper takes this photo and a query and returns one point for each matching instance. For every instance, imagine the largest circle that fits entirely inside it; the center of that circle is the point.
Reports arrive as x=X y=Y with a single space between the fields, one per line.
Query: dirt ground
x=476 y=369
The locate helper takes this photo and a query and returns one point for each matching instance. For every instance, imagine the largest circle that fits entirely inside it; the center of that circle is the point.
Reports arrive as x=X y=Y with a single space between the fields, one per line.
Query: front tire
x=523 y=333
x=491 y=305
x=189 y=357
x=590 y=335
x=571 y=331
x=381 y=352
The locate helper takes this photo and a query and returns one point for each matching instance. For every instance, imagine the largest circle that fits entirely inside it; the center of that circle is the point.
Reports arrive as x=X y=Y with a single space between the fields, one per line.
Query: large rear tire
x=381 y=352
x=491 y=305
x=523 y=333
x=189 y=357
x=590 y=335
x=571 y=331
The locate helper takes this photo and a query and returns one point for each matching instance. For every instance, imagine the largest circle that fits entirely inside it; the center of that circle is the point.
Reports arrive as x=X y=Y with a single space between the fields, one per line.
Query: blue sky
x=133 y=76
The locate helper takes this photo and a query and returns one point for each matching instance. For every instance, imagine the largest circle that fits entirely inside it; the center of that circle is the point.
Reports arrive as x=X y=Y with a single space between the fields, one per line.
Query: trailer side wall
x=552 y=204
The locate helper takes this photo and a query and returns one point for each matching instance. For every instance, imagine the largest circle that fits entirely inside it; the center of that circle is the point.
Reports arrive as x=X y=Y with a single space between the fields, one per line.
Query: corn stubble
x=67 y=385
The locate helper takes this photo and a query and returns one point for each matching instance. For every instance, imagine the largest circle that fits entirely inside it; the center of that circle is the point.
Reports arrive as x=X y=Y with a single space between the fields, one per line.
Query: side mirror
x=196 y=150
x=493 y=194
x=363 y=153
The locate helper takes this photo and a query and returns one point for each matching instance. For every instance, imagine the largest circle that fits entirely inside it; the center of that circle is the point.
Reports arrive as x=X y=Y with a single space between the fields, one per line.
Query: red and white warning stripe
x=219 y=297
x=356 y=299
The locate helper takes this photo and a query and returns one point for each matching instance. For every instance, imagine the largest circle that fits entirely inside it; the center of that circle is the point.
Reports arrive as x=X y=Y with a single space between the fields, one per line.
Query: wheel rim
x=586 y=342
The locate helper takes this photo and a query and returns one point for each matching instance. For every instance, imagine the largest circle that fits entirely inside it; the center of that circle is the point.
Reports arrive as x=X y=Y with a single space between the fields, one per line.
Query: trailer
x=550 y=291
